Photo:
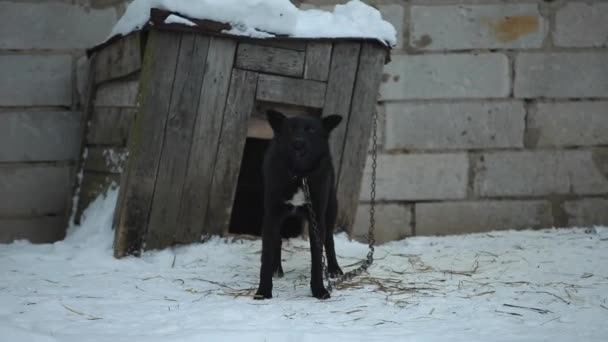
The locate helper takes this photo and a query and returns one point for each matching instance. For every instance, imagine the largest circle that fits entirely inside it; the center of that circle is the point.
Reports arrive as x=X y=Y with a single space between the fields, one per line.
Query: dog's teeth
x=298 y=198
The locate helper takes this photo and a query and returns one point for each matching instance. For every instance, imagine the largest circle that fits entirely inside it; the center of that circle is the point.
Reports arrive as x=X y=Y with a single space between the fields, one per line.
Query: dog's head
x=302 y=141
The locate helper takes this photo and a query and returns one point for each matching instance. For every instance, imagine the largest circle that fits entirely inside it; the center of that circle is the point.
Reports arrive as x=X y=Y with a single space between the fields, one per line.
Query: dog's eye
x=310 y=129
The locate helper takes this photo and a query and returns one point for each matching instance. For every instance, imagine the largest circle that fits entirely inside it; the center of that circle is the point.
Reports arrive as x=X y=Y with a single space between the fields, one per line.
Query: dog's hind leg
x=332 y=262
x=278 y=269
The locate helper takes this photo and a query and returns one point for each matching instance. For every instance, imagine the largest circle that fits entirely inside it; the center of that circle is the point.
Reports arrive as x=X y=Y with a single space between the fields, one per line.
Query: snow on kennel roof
x=266 y=18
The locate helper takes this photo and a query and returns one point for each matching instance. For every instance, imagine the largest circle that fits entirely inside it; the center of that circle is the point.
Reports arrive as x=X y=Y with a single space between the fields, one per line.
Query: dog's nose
x=298 y=144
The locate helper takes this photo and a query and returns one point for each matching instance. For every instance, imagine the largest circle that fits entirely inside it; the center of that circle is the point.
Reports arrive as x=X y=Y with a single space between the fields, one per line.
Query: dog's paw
x=320 y=293
x=335 y=272
x=261 y=294
x=278 y=273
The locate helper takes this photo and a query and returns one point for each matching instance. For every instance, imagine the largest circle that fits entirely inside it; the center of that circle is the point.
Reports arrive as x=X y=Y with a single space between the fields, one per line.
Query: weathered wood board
x=162 y=225
x=145 y=142
x=369 y=76
x=203 y=151
x=293 y=91
x=239 y=105
x=119 y=59
x=270 y=60
x=318 y=60
x=110 y=126
x=345 y=58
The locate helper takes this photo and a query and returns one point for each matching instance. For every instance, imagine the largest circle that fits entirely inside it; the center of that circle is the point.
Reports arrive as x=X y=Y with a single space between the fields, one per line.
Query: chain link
x=372 y=219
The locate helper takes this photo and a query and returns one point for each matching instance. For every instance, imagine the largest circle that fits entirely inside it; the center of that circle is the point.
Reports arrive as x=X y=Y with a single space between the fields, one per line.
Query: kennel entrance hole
x=248 y=206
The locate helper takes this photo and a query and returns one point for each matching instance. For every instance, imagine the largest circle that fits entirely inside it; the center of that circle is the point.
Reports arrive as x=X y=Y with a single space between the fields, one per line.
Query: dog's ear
x=330 y=122
x=275 y=119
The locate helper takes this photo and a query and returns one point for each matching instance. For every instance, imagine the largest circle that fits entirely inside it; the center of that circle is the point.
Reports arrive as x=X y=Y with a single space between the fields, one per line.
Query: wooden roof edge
x=214 y=28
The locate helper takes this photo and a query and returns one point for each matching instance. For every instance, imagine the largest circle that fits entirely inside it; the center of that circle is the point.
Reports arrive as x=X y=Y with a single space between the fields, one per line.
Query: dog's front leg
x=316 y=252
x=270 y=236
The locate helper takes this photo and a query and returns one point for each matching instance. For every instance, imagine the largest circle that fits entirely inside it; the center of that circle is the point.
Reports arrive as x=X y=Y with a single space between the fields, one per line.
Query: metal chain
x=372 y=219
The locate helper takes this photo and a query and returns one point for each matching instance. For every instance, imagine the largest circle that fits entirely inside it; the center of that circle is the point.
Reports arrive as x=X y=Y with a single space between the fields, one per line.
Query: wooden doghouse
x=171 y=108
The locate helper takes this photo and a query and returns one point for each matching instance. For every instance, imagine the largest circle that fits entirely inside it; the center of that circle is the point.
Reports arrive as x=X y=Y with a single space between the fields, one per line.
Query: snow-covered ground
x=549 y=285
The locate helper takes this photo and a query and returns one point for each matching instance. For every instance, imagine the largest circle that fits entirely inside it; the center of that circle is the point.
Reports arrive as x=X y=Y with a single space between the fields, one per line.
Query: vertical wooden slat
x=369 y=75
x=145 y=141
x=318 y=59
x=197 y=182
x=239 y=106
x=345 y=57
x=162 y=226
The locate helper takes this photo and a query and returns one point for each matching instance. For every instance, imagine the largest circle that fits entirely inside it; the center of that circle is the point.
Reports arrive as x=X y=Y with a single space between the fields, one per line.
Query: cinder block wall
x=42 y=72
x=494 y=114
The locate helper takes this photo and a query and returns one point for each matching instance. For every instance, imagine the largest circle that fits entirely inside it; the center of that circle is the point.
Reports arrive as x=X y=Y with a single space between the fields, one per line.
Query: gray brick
x=39 y=136
x=587 y=212
x=542 y=173
x=36 y=230
x=561 y=75
x=418 y=177
x=117 y=94
x=52 y=25
x=459 y=27
x=35 y=80
x=568 y=124
x=472 y=217
x=33 y=190
x=393 y=222
x=464 y=125
x=579 y=24
x=446 y=76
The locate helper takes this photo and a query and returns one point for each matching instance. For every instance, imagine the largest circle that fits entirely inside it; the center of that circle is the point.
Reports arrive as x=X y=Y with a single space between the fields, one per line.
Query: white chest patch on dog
x=298 y=198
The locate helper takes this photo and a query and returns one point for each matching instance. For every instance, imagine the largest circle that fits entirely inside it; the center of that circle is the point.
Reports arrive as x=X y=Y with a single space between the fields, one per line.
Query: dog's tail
x=292 y=227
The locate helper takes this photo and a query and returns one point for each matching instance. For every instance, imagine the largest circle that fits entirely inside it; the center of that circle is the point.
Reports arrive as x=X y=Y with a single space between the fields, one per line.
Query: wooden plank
x=145 y=141
x=44 y=229
x=105 y=159
x=293 y=91
x=110 y=126
x=344 y=61
x=369 y=76
x=270 y=60
x=117 y=94
x=119 y=59
x=289 y=44
x=93 y=184
x=318 y=60
x=34 y=190
x=163 y=225
x=203 y=151
x=239 y=106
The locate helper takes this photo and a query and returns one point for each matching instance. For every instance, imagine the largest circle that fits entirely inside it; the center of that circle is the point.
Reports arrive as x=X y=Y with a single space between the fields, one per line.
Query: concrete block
x=587 y=212
x=461 y=125
x=27 y=80
x=579 y=24
x=472 y=217
x=541 y=173
x=34 y=190
x=492 y=26
x=568 y=124
x=418 y=177
x=446 y=76
x=393 y=222
x=53 y=25
x=561 y=75
x=39 y=136
x=44 y=229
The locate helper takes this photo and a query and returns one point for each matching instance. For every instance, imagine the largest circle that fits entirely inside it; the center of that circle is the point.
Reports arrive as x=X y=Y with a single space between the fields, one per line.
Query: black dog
x=299 y=149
